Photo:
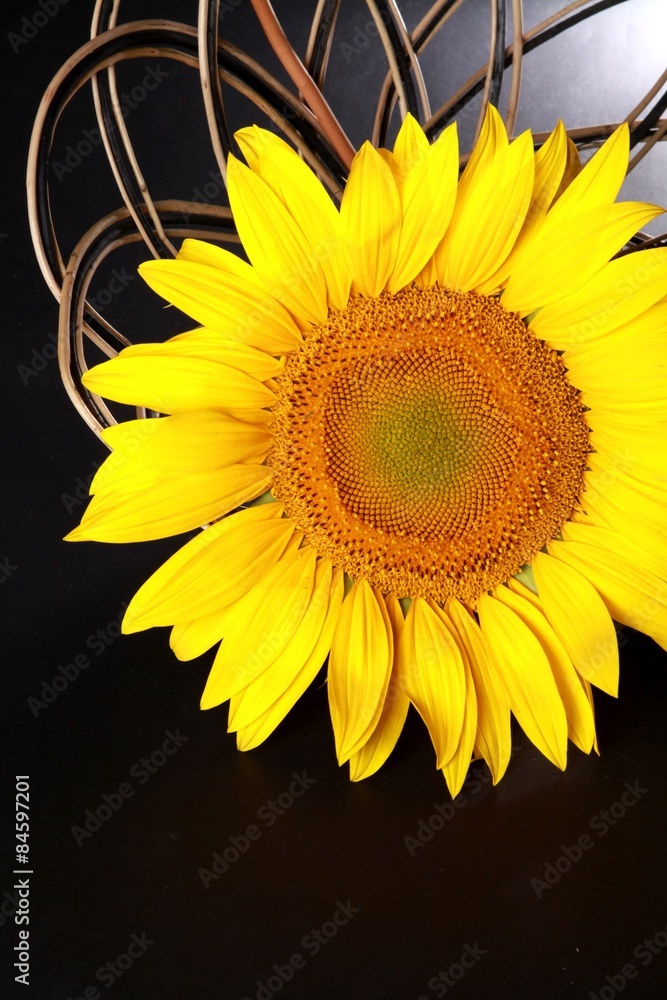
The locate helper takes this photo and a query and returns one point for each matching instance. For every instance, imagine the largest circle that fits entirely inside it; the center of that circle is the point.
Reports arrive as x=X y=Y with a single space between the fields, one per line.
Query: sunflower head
x=419 y=431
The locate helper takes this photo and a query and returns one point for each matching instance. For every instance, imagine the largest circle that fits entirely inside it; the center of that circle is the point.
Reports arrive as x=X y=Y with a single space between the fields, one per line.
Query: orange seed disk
x=428 y=441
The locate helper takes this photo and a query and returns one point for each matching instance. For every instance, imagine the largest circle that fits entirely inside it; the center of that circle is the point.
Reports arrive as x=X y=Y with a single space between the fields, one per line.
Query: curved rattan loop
x=303 y=81
x=532 y=40
x=399 y=65
x=118 y=145
x=495 y=68
x=321 y=40
x=221 y=140
x=114 y=231
x=173 y=41
x=304 y=118
x=424 y=32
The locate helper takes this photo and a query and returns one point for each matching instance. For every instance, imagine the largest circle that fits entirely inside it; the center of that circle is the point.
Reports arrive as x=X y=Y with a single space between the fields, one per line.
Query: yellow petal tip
x=131 y=624
x=76 y=535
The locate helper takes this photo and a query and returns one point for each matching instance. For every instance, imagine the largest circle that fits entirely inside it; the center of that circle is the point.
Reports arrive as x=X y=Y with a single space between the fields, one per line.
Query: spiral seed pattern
x=428 y=441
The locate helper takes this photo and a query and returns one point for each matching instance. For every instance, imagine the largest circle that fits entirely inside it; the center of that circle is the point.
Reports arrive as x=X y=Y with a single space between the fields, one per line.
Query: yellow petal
x=276 y=246
x=483 y=231
x=492 y=141
x=645 y=548
x=258 y=730
x=581 y=190
x=493 y=740
x=515 y=584
x=388 y=157
x=382 y=740
x=565 y=257
x=489 y=149
x=428 y=276
x=173 y=504
x=306 y=200
x=626 y=419
x=630 y=469
x=456 y=768
x=222 y=292
x=619 y=293
x=190 y=639
x=359 y=668
x=262 y=625
x=411 y=145
x=120 y=472
x=371 y=216
x=621 y=371
x=211 y=570
x=614 y=513
x=613 y=481
x=212 y=346
x=527 y=675
x=199 y=441
x=589 y=694
x=432 y=675
x=172 y=385
x=573 y=168
x=255 y=699
x=633 y=596
x=427 y=202
x=599 y=182
x=580 y=619
x=628 y=457
x=550 y=162
x=580 y=722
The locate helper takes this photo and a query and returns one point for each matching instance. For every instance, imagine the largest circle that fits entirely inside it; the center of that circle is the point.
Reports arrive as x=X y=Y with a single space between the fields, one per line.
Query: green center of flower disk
x=428 y=441
x=407 y=446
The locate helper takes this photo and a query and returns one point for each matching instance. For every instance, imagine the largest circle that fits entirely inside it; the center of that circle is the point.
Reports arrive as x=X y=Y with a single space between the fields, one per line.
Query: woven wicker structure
x=302 y=115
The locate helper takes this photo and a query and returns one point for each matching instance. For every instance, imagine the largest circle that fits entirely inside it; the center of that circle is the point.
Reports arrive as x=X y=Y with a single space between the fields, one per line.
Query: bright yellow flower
x=441 y=411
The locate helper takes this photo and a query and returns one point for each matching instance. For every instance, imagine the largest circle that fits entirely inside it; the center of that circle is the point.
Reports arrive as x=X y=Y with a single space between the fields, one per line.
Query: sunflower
x=420 y=434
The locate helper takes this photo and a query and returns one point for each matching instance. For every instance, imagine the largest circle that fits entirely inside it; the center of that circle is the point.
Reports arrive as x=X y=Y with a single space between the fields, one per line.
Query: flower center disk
x=428 y=441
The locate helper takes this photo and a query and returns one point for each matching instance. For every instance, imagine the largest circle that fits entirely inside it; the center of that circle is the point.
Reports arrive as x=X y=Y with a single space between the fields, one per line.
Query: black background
x=414 y=908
